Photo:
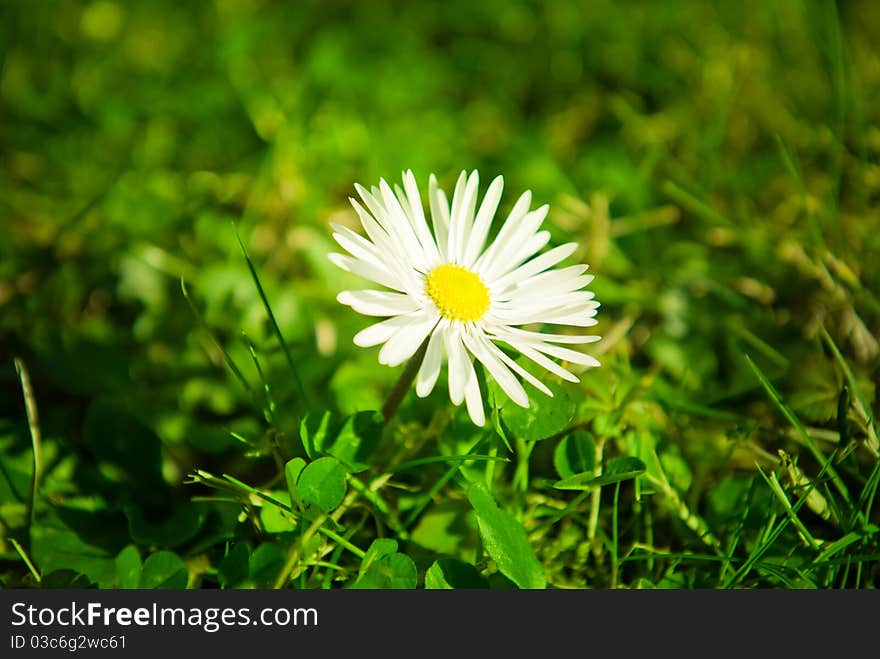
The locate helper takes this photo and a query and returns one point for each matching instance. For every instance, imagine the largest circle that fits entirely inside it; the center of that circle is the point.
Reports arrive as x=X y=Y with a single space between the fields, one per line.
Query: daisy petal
x=567 y=354
x=378 y=303
x=457 y=363
x=382 y=331
x=519 y=370
x=365 y=270
x=501 y=374
x=430 y=370
x=439 y=215
x=401 y=225
x=456 y=219
x=473 y=398
x=536 y=265
x=543 y=361
x=518 y=253
x=420 y=224
x=505 y=253
x=523 y=335
x=404 y=343
x=483 y=222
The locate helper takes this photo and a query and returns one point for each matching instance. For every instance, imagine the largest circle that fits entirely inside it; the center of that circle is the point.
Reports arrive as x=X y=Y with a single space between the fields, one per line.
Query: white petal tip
x=522 y=402
x=360 y=342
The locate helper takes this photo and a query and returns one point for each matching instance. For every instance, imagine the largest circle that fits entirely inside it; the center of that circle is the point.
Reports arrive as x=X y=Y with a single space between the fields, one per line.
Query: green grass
x=183 y=405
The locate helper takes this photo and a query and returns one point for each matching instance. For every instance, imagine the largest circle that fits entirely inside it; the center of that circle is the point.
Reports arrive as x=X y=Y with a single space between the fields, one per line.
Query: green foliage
x=450 y=573
x=616 y=470
x=264 y=563
x=197 y=415
x=505 y=540
x=164 y=569
x=129 y=567
x=385 y=567
x=235 y=566
x=322 y=483
x=575 y=454
x=351 y=440
x=544 y=417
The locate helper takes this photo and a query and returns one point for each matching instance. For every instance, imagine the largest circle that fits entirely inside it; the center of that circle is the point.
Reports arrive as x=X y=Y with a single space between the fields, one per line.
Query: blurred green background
x=718 y=162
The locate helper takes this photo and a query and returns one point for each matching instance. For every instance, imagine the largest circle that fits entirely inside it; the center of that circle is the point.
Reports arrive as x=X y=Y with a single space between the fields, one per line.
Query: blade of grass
x=304 y=399
x=269 y=407
x=678 y=507
x=27 y=561
x=615 y=540
x=771 y=535
x=232 y=484
x=774 y=484
x=832 y=548
x=410 y=464
x=373 y=497
x=33 y=418
x=824 y=461
x=862 y=409
x=428 y=496
x=596 y=498
x=227 y=359
x=571 y=505
x=737 y=533
x=762 y=346
x=868 y=493
x=778 y=571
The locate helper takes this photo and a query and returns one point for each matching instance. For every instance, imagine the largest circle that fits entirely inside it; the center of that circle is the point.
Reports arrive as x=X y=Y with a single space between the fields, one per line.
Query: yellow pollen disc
x=457 y=292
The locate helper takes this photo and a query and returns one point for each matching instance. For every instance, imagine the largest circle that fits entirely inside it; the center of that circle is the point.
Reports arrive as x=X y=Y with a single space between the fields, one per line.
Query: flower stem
x=395 y=398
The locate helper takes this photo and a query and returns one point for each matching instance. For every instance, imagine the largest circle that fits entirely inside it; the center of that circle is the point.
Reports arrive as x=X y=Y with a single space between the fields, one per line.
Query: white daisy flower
x=445 y=283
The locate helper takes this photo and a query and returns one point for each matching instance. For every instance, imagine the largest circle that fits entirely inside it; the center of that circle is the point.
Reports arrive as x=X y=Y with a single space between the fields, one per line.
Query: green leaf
x=544 y=417
x=575 y=454
x=181 y=523
x=128 y=567
x=446 y=528
x=616 y=470
x=394 y=570
x=85 y=540
x=66 y=579
x=265 y=563
x=322 y=483
x=357 y=439
x=384 y=567
x=127 y=451
x=164 y=570
x=315 y=430
x=378 y=548
x=274 y=518
x=235 y=566
x=446 y=573
x=351 y=440
x=505 y=540
x=292 y=471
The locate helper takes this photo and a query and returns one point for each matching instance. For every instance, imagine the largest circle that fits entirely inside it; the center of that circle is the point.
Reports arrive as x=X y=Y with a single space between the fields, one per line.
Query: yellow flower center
x=457 y=292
